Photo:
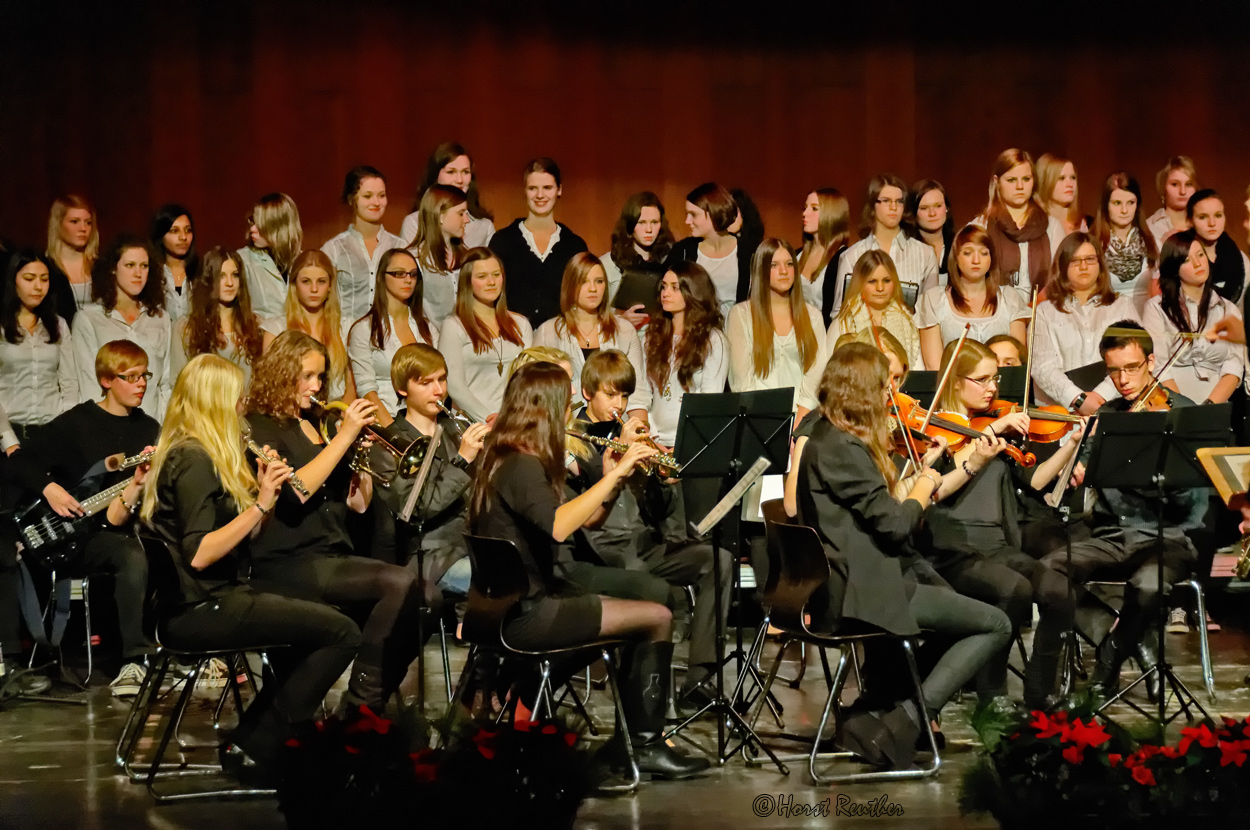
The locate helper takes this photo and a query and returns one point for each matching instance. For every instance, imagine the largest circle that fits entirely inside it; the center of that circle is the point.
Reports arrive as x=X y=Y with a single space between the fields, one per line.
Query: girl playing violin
x=976 y=536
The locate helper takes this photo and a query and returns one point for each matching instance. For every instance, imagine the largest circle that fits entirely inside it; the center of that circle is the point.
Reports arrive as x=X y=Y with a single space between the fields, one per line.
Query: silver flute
x=291 y=477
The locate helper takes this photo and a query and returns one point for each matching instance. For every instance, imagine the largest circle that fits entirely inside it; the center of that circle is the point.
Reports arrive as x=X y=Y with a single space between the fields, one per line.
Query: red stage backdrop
x=213 y=105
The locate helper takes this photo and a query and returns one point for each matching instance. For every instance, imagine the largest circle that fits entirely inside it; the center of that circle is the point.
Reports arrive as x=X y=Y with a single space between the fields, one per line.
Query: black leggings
x=319 y=644
x=383 y=596
x=1012 y=580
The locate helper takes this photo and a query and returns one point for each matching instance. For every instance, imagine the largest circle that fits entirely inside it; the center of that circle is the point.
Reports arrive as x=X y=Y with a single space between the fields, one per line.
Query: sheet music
x=726 y=504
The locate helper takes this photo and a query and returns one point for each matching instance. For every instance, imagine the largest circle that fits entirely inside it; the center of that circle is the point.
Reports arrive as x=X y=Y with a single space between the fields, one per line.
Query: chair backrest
x=168 y=584
x=804 y=568
x=498 y=582
x=774 y=513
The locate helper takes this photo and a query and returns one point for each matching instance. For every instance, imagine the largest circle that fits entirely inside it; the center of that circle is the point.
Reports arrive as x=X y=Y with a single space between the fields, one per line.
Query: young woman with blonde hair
x=312 y=306
x=1057 y=192
x=73 y=245
x=826 y=231
x=1175 y=182
x=875 y=299
x=206 y=504
x=587 y=324
x=274 y=239
x=439 y=246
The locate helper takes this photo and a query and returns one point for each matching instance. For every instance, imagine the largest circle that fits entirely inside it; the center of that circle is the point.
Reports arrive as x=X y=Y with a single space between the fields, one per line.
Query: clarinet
x=291 y=477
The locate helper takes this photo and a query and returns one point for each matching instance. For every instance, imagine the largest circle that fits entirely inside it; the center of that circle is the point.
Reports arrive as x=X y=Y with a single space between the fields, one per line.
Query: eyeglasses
x=992 y=380
x=1132 y=369
x=890 y=202
x=135 y=377
x=1083 y=260
x=415 y=274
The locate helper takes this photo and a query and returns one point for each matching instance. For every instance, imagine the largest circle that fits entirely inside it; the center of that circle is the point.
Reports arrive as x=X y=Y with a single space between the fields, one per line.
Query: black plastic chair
x=805 y=569
x=162 y=572
x=498 y=583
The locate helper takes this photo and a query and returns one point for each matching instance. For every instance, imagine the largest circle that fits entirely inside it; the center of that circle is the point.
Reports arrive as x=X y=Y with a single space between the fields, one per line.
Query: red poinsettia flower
x=550 y=729
x=1143 y=775
x=1114 y=758
x=1170 y=752
x=1233 y=752
x=570 y=738
x=367 y=721
x=522 y=725
x=1074 y=754
x=485 y=743
x=1049 y=726
x=1091 y=734
x=424 y=765
x=1202 y=735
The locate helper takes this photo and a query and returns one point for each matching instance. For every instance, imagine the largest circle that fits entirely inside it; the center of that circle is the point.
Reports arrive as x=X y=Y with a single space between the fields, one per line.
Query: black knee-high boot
x=644 y=697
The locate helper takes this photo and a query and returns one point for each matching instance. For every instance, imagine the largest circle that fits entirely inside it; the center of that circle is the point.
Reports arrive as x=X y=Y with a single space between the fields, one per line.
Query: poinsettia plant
x=1073 y=766
x=364 y=769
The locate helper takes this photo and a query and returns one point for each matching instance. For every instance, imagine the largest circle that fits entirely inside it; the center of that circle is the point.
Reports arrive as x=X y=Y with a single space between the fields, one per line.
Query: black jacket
x=533 y=285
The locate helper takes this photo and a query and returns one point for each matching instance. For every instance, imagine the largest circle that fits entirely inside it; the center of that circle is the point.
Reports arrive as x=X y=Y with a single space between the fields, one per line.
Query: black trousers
x=382 y=597
x=1135 y=558
x=319 y=645
x=1012 y=580
x=121 y=556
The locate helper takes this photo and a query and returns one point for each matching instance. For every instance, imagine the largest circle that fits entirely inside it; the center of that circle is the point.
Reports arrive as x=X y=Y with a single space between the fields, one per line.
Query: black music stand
x=1158 y=450
x=1011 y=383
x=720 y=436
x=922 y=386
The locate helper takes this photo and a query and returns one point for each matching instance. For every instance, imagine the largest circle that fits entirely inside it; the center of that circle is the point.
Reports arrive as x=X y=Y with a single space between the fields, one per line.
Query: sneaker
x=214 y=675
x=128 y=680
x=18 y=680
x=1178 y=622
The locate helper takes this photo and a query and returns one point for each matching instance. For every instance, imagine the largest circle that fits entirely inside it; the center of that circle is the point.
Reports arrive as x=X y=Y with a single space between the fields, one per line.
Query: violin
x=952 y=426
x=1046 y=423
x=1154 y=399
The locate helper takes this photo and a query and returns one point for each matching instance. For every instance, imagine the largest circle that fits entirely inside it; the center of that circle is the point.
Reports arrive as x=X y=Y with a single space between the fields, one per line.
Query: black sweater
x=72 y=442
x=533 y=285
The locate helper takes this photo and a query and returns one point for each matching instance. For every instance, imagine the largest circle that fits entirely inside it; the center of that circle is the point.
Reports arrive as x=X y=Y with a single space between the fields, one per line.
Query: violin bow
x=912 y=458
x=942 y=385
x=1028 y=374
x=1140 y=403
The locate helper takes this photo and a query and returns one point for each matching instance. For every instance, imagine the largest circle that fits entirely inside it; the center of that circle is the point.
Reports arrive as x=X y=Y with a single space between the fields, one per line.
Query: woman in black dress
x=518 y=494
x=208 y=506
x=845 y=485
x=306 y=551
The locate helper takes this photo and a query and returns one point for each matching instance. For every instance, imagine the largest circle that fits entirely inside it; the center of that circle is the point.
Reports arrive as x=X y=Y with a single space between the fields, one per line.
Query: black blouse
x=524 y=511
x=318 y=525
x=190 y=504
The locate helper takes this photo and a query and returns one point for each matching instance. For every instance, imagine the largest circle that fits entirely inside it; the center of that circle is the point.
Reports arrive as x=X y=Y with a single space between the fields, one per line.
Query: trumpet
x=661 y=464
x=408 y=455
x=665 y=463
x=1242 y=568
x=459 y=419
x=294 y=480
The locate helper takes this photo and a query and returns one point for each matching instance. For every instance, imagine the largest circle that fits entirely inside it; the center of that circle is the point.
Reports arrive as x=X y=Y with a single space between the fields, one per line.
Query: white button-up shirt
x=265 y=285
x=371 y=366
x=93 y=327
x=1067 y=340
x=1199 y=367
x=177 y=303
x=38 y=379
x=935 y=309
x=356 y=269
x=913 y=259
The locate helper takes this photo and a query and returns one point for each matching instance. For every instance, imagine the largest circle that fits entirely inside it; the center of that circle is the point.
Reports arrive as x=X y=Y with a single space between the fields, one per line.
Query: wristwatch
x=1079 y=401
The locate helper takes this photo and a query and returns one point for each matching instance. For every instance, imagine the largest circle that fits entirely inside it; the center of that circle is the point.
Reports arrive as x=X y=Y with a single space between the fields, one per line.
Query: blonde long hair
x=56 y=247
x=298 y=319
x=972 y=353
x=762 y=327
x=202 y=408
x=277 y=219
x=864 y=268
x=852 y=398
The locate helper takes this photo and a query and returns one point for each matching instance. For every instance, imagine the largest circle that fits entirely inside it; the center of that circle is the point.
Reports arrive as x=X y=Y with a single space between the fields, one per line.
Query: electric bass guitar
x=54 y=541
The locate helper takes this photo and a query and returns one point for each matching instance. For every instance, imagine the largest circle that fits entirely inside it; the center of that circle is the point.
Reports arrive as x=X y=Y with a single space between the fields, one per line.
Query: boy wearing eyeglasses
x=63 y=464
x=1124 y=543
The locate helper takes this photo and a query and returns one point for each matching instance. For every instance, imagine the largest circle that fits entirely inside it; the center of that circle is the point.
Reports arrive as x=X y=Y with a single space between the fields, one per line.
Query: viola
x=952 y=426
x=1046 y=423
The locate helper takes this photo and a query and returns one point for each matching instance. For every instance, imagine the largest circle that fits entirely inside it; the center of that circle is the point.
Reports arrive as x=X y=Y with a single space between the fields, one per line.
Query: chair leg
x=140 y=711
x=768 y=685
x=1208 y=676
x=442 y=643
x=855 y=664
x=86 y=609
x=835 y=689
x=623 y=725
